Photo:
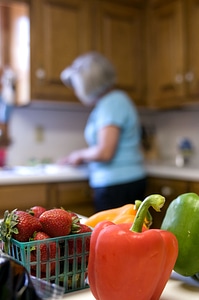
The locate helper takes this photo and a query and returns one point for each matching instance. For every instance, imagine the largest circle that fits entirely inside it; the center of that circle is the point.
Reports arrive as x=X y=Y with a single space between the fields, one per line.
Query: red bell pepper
x=126 y=263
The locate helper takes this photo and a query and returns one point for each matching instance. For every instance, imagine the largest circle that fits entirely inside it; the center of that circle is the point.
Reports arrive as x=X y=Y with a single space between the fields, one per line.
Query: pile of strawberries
x=39 y=223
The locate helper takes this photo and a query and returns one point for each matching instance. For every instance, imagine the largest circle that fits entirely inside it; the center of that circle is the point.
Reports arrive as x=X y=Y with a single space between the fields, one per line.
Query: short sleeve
x=114 y=110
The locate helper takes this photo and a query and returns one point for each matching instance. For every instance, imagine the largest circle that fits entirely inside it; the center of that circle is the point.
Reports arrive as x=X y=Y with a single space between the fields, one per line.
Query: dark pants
x=119 y=195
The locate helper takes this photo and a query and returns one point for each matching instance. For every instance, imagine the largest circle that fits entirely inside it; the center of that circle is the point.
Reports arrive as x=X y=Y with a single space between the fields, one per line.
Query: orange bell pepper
x=123 y=214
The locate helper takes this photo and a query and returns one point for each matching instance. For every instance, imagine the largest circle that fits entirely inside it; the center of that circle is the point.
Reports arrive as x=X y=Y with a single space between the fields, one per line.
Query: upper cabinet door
x=166 y=54
x=14 y=54
x=60 y=31
x=192 y=70
x=119 y=35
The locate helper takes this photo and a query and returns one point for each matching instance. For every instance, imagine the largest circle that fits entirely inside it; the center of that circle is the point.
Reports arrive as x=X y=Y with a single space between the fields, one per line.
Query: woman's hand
x=73 y=159
x=104 y=151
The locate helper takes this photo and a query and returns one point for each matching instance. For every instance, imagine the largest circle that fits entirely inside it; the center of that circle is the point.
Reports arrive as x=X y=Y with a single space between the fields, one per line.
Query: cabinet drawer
x=78 y=192
x=168 y=188
x=74 y=196
x=194 y=187
x=22 y=196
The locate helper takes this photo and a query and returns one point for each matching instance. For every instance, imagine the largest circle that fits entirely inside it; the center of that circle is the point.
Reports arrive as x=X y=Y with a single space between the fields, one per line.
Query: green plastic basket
x=69 y=264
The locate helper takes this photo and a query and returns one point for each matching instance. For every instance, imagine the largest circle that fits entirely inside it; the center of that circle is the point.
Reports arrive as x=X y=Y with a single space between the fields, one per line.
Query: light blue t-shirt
x=116 y=108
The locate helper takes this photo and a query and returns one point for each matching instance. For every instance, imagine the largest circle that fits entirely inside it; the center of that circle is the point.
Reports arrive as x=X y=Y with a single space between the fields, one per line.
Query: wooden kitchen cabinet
x=22 y=196
x=153 y=44
x=194 y=187
x=192 y=46
x=63 y=29
x=170 y=189
x=120 y=36
x=60 y=31
x=75 y=196
x=172 y=52
x=166 y=53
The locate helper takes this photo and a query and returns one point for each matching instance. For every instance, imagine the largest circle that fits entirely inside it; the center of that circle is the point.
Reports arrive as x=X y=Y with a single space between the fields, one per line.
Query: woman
x=115 y=161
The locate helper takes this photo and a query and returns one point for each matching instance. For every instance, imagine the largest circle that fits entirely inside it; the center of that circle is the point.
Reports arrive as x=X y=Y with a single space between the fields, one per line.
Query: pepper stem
x=148 y=219
x=156 y=201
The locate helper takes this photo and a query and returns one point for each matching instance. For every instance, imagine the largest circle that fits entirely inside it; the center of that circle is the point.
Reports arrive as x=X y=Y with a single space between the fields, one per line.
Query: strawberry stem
x=7 y=228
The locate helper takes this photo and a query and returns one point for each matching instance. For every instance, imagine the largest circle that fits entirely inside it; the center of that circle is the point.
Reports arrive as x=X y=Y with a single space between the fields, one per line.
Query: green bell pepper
x=182 y=219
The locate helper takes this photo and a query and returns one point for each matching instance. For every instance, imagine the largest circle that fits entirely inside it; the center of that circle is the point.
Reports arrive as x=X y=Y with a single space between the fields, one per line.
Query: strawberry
x=75 y=217
x=56 y=222
x=80 y=228
x=18 y=224
x=36 y=211
x=26 y=226
x=43 y=252
x=76 y=245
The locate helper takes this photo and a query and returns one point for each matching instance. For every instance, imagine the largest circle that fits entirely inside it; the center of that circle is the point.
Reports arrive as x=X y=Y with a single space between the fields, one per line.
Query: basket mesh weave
x=70 y=262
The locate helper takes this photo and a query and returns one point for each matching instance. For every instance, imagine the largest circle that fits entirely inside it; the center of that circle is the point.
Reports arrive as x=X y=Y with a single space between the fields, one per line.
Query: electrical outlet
x=39 y=134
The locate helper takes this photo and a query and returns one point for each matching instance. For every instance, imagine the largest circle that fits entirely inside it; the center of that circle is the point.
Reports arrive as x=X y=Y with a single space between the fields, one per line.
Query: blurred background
x=154 y=46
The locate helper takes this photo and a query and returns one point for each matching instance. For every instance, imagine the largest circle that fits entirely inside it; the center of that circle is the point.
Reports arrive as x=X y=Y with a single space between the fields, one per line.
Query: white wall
x=63 y=131
x=171 y=127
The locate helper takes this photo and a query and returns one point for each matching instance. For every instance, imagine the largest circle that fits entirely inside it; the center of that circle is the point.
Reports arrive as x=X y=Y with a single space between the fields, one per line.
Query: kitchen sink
x=42 y=169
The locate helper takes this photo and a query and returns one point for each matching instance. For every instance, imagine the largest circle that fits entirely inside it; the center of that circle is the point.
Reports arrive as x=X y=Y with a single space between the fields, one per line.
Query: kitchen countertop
x=168 y=169
x=57 y=173
x=177 y=288
x=41 y=174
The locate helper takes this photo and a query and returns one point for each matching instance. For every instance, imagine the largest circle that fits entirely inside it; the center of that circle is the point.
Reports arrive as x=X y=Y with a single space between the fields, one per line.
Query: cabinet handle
x=189 y=76
x=166 y=191
x=179 y=79
x=40 y=73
